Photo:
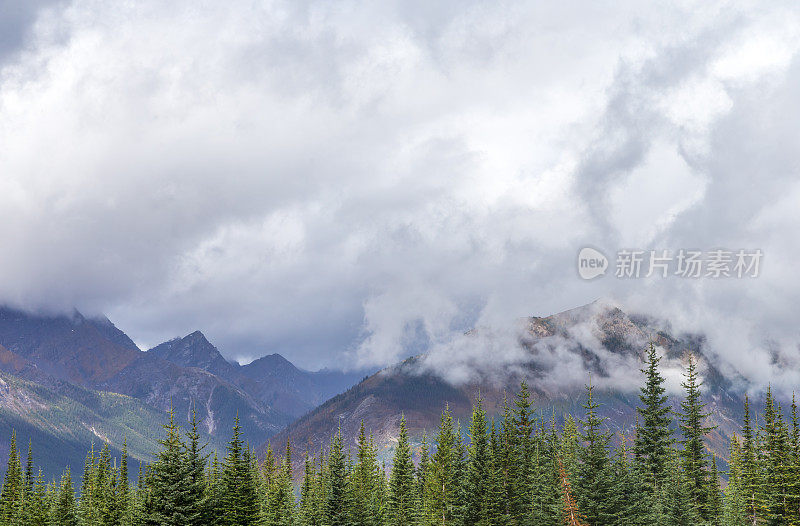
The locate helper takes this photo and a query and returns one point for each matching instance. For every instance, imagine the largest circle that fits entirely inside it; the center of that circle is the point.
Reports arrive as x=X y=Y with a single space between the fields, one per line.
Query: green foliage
x=401 y=482
x=518 y=470
x=653 y=437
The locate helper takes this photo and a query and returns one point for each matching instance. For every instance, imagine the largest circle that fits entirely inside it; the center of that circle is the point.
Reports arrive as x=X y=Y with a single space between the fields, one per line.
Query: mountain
x=272 y=379
x=555 y=355
x=63 y=421
x=195 y=350
x=92 y=353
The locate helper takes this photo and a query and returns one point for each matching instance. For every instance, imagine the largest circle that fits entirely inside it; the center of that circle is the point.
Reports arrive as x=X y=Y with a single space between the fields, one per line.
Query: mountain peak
x=194 y=350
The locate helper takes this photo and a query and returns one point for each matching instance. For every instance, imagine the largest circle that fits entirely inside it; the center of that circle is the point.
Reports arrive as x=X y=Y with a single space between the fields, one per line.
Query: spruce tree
x=525 y=449
x=714 y=503
x=11 y=495
x=654 y=440
x=735 y=508
x=442 y=481
x=593 y=483
x=775 y=453
x=281 y=498
x=693 y=455
x=197 y=512
x=238 y=497
x=65 y=513
x=169 y=483
x=336 y=509
x=750 y=475
x=401 y=482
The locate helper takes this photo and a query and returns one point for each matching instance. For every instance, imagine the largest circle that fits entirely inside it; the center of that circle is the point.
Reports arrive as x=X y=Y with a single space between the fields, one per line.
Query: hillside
x=51 y=349
x=63 y=422
x=597 y=339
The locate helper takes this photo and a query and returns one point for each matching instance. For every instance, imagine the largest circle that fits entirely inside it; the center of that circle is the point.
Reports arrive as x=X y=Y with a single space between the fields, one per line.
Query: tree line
x=516 y=470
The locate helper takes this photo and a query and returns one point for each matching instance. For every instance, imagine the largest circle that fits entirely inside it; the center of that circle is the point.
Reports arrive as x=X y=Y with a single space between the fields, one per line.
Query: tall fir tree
x=239 y=500
x=593 y=483
x=401 y=482
x=653 y=445
x=693 y=429
x=336 y=508
x=169 y=500
x=12 y=493
x=64 y=512
x=476 y=506
x=442 y=486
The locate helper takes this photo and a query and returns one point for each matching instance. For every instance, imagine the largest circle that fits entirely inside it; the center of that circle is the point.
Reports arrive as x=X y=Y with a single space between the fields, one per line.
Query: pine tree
x=693 y=455
x=197 y=512
x=775 y=452
x=714 y=503
x=497 y=505
x=169 y=483
x=12 y=493
x=523 y=470
x=593 y=483
x=654 y=437
x=308 y=513
x=281 y=497
x=336 y=509
x=65 y=513
x=476 y=511
x=122 y=497
x=442 y=487
x=401 y=482
x=239 y=499
x=735 y=511
x=421 y=480
x=750 y=476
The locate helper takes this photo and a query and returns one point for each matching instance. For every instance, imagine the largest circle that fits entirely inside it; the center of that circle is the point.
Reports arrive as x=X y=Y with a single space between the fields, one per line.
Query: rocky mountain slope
x=272 y=379
x=68 y=380
x=556 y=356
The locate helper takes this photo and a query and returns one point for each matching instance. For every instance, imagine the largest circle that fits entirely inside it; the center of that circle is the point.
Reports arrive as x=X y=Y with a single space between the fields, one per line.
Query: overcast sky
x=348 y=182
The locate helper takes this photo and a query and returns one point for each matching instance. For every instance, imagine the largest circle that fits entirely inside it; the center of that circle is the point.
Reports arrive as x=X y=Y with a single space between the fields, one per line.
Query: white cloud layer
x=348 y=182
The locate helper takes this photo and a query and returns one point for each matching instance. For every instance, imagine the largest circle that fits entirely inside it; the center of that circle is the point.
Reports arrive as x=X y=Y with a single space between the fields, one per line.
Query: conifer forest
x=518 y=469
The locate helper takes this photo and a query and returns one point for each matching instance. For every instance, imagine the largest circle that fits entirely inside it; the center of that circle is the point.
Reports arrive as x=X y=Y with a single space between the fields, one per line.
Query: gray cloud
x=349 y=183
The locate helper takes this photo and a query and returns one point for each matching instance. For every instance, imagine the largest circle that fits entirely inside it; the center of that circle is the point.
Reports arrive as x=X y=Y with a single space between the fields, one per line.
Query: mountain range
x=69 y=380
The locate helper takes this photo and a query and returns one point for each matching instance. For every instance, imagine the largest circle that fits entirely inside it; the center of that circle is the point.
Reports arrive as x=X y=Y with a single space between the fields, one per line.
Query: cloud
x=349 y=183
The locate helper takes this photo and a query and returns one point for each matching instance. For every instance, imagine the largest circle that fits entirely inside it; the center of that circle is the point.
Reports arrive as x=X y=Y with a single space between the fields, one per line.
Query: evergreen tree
x=281 y=498
x=653 y=437
x=774 y=485
x=64 y=513
x=197 y=512
x=238 y=497
x=336 y=509
x=476 y=510
x=442 y=487
x=593 y=483
x=169 y=483
x=12 y=493
x=401 y=482
x=735 y=511
x=523 y=469
x=714 y=503
x=308 y=513
x=422 y=511
x=750 y=476
x=693 y=455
